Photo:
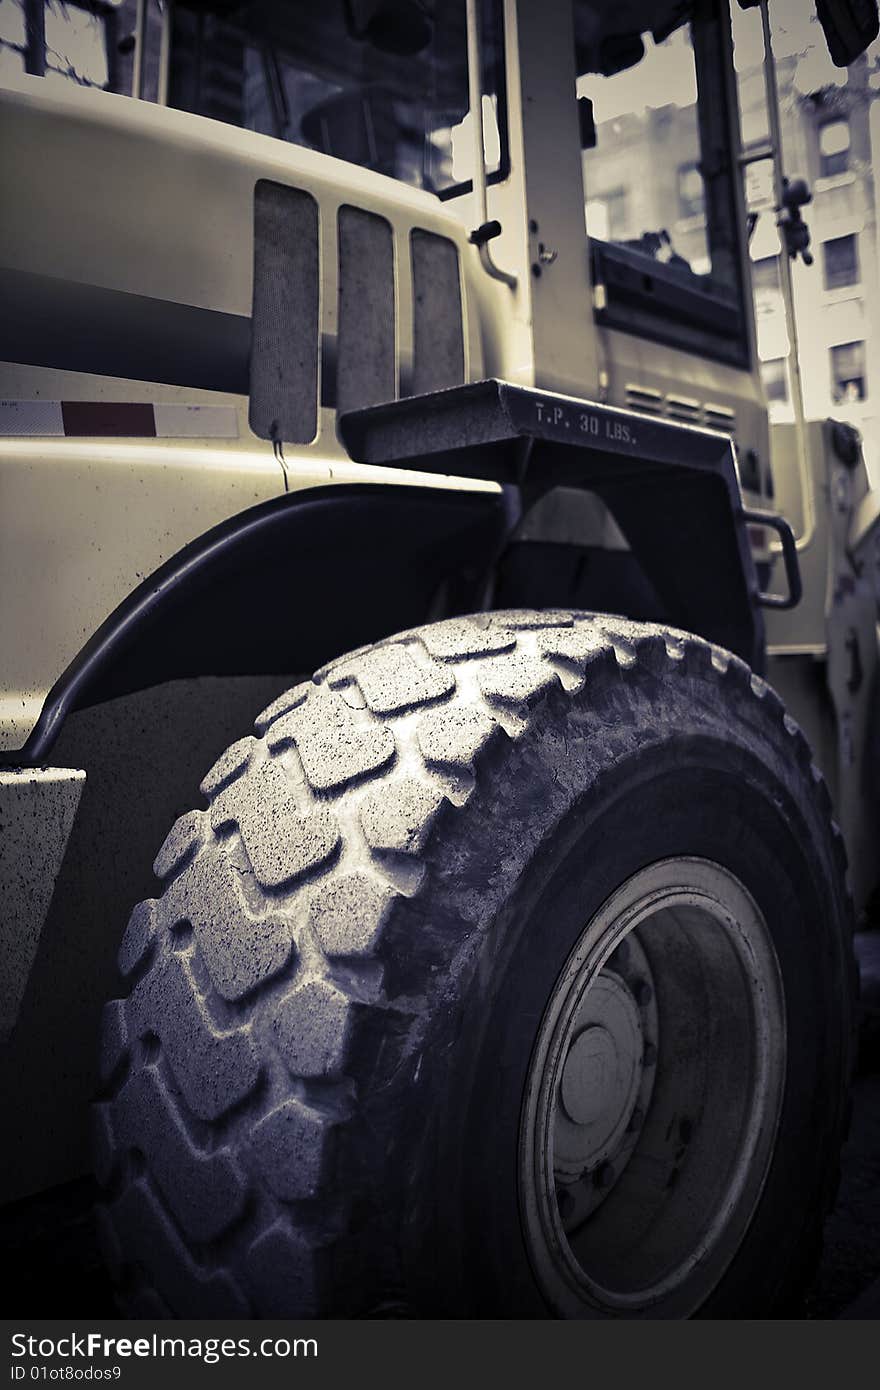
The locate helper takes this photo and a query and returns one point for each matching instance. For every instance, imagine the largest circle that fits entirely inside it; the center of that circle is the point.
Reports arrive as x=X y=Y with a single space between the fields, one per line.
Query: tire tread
x=261 y=969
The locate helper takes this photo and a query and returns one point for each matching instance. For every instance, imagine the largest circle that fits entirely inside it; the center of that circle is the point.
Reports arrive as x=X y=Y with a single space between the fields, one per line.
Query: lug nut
x=643 y=993
x=604 y=1175
x=620 y=958
x=565 y=1202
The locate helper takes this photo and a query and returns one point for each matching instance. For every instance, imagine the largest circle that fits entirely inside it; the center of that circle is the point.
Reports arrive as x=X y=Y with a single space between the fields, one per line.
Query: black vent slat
x=438 y=343
x=366 y=341
x=284 y=342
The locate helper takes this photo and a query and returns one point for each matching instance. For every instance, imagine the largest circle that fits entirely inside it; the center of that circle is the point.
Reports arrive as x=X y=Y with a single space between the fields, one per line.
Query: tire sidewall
x=684 y=797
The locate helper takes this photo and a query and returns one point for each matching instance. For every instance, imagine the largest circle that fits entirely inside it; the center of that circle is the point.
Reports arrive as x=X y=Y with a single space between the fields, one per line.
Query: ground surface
x=851 y=1261
x=50 y=1256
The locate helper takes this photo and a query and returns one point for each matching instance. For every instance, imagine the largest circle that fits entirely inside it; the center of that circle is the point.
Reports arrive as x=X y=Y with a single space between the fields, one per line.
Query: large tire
x=364 y=1062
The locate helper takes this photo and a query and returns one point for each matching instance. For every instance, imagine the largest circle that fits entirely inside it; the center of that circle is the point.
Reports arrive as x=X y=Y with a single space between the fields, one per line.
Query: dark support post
x=111 y=48
x=35 y=27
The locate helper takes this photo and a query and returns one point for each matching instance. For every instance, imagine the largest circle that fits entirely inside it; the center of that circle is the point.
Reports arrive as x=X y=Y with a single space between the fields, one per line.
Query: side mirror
x=850 y=26
x=400 y=27
x=587 y=123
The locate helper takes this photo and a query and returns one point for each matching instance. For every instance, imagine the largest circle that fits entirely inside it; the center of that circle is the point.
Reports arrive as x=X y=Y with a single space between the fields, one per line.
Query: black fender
x=672 y=489
x=282 y=588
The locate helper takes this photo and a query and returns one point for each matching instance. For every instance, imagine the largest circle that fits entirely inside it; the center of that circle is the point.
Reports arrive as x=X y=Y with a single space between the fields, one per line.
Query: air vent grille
x=719 y=417
x=687 y=409
x=683 y=408
x=644 y=398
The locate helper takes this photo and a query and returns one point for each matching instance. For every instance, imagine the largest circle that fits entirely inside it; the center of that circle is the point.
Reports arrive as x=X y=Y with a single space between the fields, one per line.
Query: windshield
x=379 y=85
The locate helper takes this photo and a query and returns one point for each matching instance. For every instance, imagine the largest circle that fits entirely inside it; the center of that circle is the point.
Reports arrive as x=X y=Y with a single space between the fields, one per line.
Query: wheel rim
x=653 y=1095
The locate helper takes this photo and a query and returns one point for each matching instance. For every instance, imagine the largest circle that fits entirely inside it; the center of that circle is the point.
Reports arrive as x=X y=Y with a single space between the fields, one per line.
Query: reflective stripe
x=108 y=419
x=31 y=418
x=196 y=421
x=117 y=419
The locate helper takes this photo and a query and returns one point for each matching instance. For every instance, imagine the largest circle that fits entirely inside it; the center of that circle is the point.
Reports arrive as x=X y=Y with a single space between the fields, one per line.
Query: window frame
x=823 y=159
x=777 y=397
x=862 y=376
x=830 y=282
x=761 y=268
x=687 y=208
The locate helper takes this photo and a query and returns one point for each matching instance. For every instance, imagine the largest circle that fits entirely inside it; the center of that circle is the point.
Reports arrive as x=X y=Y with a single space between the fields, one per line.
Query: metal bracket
x=480 y=237
x=789 y=558
x=672 y=489
x=485 y=229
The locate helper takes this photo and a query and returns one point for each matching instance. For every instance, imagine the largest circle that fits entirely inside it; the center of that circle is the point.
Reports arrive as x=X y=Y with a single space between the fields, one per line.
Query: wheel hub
x=653 y=1095
x=601 y=1077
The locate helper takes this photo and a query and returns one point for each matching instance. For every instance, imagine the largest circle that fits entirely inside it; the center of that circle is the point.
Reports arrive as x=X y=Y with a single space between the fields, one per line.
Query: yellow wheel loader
x=502 y=965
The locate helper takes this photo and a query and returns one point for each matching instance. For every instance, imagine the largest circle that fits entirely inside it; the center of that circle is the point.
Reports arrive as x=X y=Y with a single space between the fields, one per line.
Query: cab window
x=662 y=217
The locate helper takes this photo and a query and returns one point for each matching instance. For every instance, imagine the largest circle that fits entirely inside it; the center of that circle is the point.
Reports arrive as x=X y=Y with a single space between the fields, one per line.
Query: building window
x=833 y=148
x=841 y=262
x=607 y=215
x=690 y=191
x=765 y=273
x=775 y=379
x=616 y=204
x=759 y=183
x=848 y=379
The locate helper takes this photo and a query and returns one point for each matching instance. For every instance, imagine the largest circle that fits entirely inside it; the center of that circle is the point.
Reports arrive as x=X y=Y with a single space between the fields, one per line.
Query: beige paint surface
x=150 y=201
x=37 y=809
